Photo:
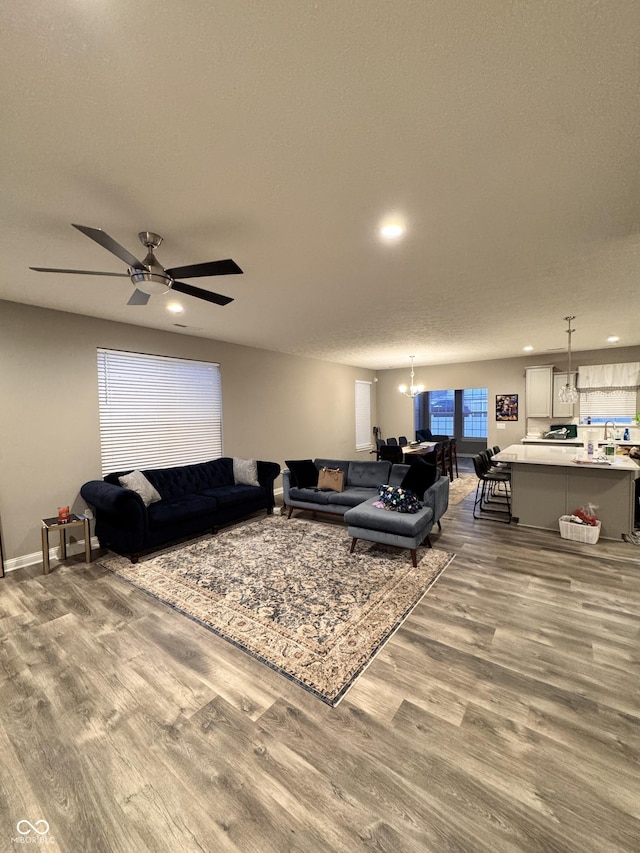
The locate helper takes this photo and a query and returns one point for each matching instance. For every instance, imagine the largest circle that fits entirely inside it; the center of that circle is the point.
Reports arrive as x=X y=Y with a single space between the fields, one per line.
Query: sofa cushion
x=420 y=476
x=185 y=480
x=245 y=472
x=226 y=496
x=370 y=517
x=397 y=474
x=342 y=464
x=303 y=473
x=170 y=512
x=312 y=495
x=137 y=482
x=368 y=475
x=352 y=497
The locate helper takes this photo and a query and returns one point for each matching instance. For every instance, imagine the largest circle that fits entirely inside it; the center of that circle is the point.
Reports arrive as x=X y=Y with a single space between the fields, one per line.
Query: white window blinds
x=157 y=411
x=363 y=415
x=603 y=406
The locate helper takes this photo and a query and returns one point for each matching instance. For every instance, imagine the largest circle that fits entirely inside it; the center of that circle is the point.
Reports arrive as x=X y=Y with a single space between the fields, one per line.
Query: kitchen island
x=547 y=482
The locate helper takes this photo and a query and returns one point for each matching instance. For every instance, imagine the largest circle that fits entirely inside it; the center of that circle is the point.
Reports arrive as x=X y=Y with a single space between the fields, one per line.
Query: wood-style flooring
x=503 y=716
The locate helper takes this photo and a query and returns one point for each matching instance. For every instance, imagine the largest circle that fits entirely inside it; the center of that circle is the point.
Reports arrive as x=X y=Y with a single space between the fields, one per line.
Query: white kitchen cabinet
x=562 y=410
x=538 y=391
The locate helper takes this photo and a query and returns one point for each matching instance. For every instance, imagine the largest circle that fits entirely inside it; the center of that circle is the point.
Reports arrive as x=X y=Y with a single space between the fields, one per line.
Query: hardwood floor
x=503 y=716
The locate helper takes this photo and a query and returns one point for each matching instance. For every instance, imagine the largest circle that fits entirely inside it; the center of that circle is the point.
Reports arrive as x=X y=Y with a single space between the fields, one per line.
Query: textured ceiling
x=280 y=134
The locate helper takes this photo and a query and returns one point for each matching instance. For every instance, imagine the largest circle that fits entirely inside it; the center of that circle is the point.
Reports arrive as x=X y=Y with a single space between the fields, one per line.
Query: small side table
x=53 y=524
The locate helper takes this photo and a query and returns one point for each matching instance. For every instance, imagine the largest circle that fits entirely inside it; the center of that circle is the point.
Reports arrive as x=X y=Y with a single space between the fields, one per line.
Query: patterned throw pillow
x=137 y=482
x=245 y=472
x=399 y=499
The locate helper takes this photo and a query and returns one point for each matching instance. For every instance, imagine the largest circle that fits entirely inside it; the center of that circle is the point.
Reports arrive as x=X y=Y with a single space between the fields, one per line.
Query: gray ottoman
x=402 y=529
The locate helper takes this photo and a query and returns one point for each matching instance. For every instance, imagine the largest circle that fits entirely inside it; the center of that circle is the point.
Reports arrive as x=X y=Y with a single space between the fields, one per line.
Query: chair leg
x=290 y=511
x=489 y=496
x=353 y=544
x=414 y=559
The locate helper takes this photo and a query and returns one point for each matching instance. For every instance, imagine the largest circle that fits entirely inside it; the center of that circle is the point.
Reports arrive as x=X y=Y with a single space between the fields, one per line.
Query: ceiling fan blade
x=138 y=298
x=110 y=245
x=199 y=293
x=227 y=267
x=80 y=272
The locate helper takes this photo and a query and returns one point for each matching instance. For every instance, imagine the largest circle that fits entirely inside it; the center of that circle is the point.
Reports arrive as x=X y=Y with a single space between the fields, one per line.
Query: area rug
x=289 y=593
x=461 y=487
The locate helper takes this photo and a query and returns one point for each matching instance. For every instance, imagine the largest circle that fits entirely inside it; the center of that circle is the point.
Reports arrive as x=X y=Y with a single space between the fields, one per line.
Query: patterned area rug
x=461 y=487
x=289 y=593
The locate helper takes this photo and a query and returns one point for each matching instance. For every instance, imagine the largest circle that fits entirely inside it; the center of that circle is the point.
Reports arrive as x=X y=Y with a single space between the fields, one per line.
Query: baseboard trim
x=26 y=560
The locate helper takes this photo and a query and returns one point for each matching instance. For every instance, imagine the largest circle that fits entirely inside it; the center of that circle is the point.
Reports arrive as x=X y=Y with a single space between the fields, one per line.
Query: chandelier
x=413 y=390
x=569 y=393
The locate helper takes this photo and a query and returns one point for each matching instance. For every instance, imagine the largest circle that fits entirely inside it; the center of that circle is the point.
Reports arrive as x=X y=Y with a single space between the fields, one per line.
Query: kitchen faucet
x=606 y=429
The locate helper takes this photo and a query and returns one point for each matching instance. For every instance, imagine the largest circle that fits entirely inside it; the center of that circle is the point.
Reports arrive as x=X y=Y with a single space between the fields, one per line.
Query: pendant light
x=569 y=393
x=413 y=390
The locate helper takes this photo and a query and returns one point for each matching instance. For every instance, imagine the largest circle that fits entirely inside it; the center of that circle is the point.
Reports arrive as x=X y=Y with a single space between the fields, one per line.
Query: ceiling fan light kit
x=149 y=277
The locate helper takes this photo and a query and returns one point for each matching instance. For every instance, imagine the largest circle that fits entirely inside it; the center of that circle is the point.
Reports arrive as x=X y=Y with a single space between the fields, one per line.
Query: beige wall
x=500 y=376
x=275 y=407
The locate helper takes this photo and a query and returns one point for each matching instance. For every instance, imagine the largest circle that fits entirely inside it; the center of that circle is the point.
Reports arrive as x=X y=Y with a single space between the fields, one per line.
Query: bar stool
x=493 y=492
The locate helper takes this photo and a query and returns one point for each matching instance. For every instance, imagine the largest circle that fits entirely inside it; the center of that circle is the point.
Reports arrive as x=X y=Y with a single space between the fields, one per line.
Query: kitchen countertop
x=575 y=442
x=560 y=456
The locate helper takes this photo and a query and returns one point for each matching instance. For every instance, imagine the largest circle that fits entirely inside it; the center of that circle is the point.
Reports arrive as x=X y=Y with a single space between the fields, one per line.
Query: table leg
x=63 y=544
x=87 y=541
x=45 y=551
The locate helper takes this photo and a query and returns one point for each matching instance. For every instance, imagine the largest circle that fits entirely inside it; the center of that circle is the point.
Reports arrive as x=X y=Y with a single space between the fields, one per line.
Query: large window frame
x=453 y=412
x=157 y=411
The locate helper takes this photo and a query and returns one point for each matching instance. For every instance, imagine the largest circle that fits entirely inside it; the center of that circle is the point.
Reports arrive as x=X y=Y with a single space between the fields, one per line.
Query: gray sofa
x=362 y=480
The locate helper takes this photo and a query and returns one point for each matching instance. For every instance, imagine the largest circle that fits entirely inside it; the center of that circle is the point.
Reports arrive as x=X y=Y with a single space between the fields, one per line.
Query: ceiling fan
x=148 y=276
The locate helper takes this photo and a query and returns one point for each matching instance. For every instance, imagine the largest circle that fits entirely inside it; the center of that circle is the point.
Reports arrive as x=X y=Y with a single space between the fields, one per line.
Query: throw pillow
x=137 y=482
x=245 y=472
x=420 y=476
x=304 y=473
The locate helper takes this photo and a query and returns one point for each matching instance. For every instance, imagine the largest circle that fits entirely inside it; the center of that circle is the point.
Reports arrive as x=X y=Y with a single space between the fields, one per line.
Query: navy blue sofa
x=195 y=499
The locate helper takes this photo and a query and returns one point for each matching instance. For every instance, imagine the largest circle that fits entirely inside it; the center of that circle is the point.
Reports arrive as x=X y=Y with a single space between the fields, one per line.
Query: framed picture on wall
x=506 y=407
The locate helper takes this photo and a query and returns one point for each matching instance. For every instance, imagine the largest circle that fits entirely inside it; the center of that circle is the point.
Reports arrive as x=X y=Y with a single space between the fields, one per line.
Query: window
x=363 y=415
x=601 y=406
x=441 y=410
x=157 y=411
x=457 y=412
x=474 y=408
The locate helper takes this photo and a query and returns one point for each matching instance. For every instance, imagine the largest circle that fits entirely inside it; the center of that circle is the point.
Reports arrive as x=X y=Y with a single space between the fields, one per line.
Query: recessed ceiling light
x=392 y=230
x=527 y=348
x=175 y=308
x=613 y=339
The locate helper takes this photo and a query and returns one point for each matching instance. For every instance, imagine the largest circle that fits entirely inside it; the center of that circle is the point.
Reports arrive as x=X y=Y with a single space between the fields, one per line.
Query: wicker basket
x=579 y=532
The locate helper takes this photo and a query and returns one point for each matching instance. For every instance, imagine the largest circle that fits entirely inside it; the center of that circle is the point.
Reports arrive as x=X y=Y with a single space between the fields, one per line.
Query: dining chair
x=391 y=453
x=403 y=441
x=392 y=441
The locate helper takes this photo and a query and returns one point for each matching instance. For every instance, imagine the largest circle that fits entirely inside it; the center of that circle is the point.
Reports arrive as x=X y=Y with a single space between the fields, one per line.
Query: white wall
x=275 y=407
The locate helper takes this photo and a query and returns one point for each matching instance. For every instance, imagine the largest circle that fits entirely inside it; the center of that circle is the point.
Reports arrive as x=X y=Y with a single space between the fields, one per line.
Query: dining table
x=422 y=449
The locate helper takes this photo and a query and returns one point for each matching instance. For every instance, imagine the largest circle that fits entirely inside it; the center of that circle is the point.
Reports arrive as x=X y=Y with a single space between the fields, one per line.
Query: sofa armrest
x=437 y=497
x=116 y=502
x=267 y=473
x=286 y=484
